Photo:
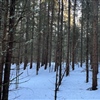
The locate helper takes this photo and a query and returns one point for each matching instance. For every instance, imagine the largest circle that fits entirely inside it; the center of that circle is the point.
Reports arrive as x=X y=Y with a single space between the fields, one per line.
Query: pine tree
x=74 y=33
x=68 y=42
x=95 y=45
x=9 y=51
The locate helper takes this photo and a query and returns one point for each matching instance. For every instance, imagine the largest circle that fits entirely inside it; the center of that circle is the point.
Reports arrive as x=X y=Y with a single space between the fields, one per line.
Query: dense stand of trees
x=45 y=31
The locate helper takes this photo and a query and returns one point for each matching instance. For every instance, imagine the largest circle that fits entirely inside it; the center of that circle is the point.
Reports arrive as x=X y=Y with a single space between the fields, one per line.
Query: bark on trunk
x=9 y=52
x=95 y=45
x=74 y=33
x=67 y=63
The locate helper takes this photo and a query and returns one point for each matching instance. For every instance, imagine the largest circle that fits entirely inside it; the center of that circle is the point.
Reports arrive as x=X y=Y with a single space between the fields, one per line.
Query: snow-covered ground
x=42 y=86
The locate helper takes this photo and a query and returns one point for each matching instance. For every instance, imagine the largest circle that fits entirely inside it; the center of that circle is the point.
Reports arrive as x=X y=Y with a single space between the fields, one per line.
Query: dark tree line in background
x=45 y=31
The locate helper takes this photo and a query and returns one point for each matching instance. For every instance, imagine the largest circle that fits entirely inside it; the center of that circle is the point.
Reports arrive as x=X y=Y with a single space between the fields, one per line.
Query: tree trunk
x=39 y=41
x=87 y=42
x=4 y=39
x=51 y=32
x=1 y=66
x=57 y=62
x=95 y=45
x=47 y=37
x=61 y=38
x=74 y=33
x=26 y=37
x=44 y=34
x=82 y=36
x=31 y=62
x=9 y=51
x=67 y=63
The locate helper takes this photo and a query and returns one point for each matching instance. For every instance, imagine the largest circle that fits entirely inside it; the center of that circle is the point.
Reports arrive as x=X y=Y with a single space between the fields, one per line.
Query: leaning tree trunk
x=9 y=51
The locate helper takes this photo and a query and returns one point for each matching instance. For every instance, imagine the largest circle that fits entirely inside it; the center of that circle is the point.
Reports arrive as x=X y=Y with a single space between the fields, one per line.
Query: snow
x=42 y=86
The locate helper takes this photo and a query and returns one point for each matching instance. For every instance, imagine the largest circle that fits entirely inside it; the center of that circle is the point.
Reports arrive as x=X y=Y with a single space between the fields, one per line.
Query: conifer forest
x=63 y=32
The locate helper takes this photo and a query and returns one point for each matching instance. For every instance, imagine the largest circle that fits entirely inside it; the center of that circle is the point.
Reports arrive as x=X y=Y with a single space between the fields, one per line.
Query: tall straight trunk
x=56 y=84
x=91 y=47
x=1 y=67
x=9 y=51
x=26 y=37
x=57 y=62
x=32 y=40
x=68 y=40
x=21 y=56
x=87 y=43
x=43 y=49
x=74 y=33
x=39 y=41
x=44 y=35
x=47 y=37
x=57 y=59
x=61 y=37
x=18 y=64
x=95 y=45
x=82 y=35
x=4 y=39
x=51 y=32
x=32 y=48
x=91 y=40
x=0 y=15
x=18 y=55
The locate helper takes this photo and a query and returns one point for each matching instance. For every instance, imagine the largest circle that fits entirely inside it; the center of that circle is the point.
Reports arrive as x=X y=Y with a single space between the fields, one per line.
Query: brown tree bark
x=81 y=60
x=39 y=41
x=95 y=45
x=32 y=42
x=44 y=35
x=47 y=37
x=57 y=58
x=73 y=45
x=87 y=43
x=1 y=66
x=4 y=39
x=9 y=51
x=51 y=32
x=68 y=40
x=26 y=37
